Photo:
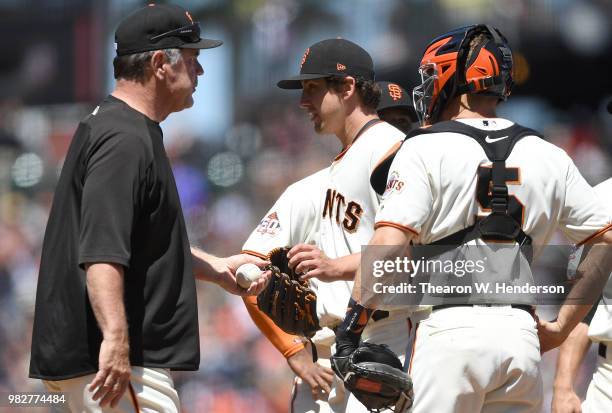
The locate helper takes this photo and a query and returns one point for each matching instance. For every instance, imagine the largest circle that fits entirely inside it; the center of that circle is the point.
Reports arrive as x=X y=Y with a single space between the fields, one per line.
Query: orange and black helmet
x=446 y=72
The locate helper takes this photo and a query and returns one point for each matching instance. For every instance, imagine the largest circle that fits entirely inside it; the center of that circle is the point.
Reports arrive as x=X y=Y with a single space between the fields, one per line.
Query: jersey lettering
x=328 y=208
x=351 y=215
x=483 y=191
x=340 y=202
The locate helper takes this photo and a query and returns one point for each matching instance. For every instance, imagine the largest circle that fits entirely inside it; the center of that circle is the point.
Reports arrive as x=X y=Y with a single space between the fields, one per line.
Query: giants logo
x=394 y=91
x=335 y=207
x=269 y=225
x=394 y=183
x=189 y=16
x=340 y=67
x=306 y=53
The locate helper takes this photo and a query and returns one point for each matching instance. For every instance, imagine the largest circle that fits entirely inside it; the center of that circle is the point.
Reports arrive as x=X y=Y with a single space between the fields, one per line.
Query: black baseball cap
x=332 y=57
x=394 y=96
x=157 y=27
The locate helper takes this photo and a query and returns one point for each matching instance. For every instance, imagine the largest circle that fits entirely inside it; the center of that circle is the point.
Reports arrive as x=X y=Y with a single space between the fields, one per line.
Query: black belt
x=379 y=315
x=602 y=350
x=523 y=307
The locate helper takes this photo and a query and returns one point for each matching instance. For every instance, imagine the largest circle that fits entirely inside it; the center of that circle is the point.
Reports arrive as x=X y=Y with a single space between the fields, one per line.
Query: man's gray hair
x=132 y=66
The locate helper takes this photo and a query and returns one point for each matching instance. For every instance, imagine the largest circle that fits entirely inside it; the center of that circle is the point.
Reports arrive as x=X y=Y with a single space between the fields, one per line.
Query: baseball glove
x=289 y=302
x=373 y=373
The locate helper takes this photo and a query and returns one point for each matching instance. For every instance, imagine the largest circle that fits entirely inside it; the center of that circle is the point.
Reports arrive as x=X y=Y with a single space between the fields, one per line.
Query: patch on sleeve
x=394 y=184
x=270 y=225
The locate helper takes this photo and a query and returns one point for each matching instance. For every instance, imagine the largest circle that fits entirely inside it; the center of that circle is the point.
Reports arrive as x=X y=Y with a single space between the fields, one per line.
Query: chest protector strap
x=498 y=225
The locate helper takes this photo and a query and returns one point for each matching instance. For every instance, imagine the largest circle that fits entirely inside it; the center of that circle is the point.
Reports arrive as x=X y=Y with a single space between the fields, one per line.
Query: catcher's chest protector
x=497 y=145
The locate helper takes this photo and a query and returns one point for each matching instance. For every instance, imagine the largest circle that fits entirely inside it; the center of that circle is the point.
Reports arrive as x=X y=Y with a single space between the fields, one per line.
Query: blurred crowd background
x=245 y=140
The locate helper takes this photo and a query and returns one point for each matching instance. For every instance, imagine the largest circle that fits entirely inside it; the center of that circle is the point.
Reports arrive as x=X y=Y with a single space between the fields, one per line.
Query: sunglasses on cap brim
x=190 y=32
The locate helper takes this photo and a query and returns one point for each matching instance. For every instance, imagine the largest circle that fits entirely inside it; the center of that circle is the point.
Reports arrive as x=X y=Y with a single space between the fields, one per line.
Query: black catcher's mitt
x=373 y=373
x=289 y=302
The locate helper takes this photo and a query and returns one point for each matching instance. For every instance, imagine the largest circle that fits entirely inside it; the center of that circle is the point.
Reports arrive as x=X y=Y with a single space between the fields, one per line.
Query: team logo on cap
x=340 y=67
x=306 y=53
x=270 y=225
x=394 y=91
x=189 y=16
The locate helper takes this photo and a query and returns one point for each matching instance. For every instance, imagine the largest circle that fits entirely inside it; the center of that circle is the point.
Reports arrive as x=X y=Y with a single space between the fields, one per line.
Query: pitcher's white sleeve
x=584 y=214
x=293 y=219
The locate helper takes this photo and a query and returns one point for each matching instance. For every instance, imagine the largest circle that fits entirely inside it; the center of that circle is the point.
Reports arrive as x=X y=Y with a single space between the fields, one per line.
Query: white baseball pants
x=150 y=390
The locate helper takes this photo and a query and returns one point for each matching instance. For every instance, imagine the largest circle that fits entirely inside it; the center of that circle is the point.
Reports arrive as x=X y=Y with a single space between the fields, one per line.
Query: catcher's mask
x=446 y=73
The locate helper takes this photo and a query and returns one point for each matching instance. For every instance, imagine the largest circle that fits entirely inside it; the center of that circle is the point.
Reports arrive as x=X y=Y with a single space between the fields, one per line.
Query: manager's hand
x=113 y=375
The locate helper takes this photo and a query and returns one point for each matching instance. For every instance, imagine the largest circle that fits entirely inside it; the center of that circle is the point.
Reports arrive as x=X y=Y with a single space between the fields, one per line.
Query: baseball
x=247 y=273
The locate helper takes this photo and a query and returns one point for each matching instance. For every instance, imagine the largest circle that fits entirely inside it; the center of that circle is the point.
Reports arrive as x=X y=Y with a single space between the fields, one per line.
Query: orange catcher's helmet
x=446 y=72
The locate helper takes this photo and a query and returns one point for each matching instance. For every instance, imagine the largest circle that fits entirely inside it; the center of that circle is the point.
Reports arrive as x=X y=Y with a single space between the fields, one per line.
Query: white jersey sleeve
x=578 y=221
x=600 y=328
x=407 y=207
x=294 y=218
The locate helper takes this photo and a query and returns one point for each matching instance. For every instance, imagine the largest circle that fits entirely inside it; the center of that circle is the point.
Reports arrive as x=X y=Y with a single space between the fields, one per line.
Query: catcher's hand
x=373 y=373
x=289 y=302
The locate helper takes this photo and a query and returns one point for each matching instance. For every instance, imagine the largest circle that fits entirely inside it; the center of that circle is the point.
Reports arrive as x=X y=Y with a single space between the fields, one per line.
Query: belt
x=602 y=350
x=523 y=307
x=379 y=315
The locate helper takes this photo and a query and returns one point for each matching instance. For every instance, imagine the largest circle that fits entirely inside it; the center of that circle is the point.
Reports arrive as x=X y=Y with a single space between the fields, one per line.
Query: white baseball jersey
x=335 y=209
x=426 y=197
x=294 y=218
x=600 y=328
x=350 y=203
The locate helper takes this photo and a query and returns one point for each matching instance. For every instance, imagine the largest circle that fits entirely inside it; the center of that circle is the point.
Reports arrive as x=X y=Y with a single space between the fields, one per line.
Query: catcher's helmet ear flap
x=446 y=72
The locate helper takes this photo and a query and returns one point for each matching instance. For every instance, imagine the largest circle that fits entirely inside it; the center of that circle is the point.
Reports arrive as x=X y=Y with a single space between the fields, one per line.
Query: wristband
x=349 y=332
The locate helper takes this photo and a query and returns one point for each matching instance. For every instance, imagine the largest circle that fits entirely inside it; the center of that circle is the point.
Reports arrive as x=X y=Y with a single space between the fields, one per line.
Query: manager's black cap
x=159 y=26
x=332 y=57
